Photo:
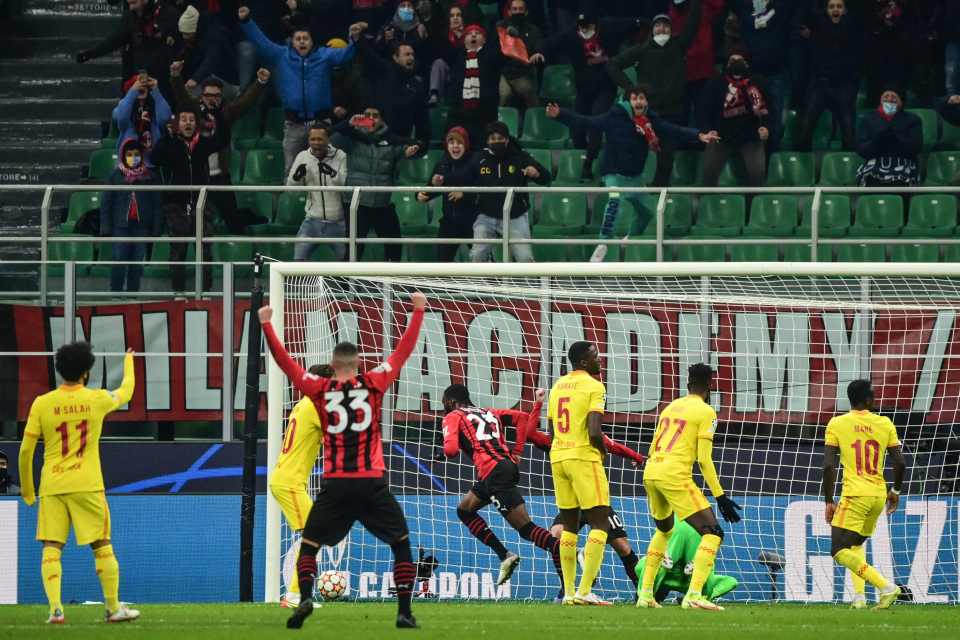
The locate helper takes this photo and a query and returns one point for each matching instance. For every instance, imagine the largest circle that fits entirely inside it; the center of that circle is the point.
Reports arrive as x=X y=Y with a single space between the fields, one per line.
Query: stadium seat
x=272 y=130
x=822 y=133
x=540 y=132
x=754 y=253
x=839 y=169
x=626 y=220
x=280 y=251
x=102 y=163
x=931 y=216
x=563 y=209
x=833 y=218
x=409 y=211
x=878 y=217
x=949 y=137
x=544 y=157
x=551 y=252
x=245 y=132
x=951 y=253
x=772 y=215
x=700 y=253
x=108 y=143
x=291 y=210
x=420 y=252
x=931 y=126
x=686 y=168
x=558 y=85
x=720 y=213
x=511 y=117
x=801 y=253
x=861 y=253
x=914 y=253
x=729 y=176
x=677 y=216
x=642 y=253
x=233 y=252
x=80 y=203
x=438 y=125
x=790 y=169
x=264 y=167
x=943 y=167
x=261 y=202
x=569 y=165
x=649 y=168
x=77 y=251
x=416 y=171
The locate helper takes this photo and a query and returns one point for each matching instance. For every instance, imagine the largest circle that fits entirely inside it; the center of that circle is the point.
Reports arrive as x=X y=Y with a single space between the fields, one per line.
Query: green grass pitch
x=493 y=621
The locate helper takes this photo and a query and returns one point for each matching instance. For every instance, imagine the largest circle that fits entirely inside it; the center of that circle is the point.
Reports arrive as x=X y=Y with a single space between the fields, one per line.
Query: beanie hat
x=498 y=127
x=661 y=17
x=460 y=134
x=188 y=20
x=337 y=43
x=474 y=27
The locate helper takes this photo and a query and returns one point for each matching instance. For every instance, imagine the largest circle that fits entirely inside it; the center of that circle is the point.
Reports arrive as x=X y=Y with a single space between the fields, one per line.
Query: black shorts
x=500 y=487
x=617 y=529
x=343 y=501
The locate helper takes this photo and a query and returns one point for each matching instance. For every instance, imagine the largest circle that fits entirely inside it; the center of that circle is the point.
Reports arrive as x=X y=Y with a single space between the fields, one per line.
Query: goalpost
x=785 y=339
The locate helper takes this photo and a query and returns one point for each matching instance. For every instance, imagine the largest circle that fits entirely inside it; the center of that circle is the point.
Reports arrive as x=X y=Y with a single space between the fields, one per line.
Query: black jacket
x=149 y=41
x=491 y=63
x=591 y=78
x=180 y=166
x=506 y=172
x=900 y=137
x=835 y=49
x=400 y=95
x=735 y=131
x=458 y=173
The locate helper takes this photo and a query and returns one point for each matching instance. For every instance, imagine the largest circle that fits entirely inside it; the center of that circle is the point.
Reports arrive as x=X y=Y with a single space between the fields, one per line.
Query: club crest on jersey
x=713 y=426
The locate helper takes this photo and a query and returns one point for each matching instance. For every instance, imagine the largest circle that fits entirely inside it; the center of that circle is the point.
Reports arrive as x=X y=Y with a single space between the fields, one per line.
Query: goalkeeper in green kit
x=677 y=567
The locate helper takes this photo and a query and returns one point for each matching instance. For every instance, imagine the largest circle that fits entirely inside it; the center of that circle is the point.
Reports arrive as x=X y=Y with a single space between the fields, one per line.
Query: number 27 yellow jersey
x=680 y=426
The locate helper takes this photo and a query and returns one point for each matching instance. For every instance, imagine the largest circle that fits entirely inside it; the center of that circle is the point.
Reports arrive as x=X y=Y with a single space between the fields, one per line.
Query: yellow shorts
x=859 y=513
x=580 y=484
x=87 y=511
x=295 y=503
x=669 y=496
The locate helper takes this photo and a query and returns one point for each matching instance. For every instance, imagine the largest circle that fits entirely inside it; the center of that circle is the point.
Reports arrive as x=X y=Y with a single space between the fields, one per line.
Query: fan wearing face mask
x=890 y=140
x=661 y=64
x=7 y=486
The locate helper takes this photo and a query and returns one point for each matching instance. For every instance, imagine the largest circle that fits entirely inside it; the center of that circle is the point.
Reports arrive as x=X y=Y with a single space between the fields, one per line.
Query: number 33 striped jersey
x=863 y=439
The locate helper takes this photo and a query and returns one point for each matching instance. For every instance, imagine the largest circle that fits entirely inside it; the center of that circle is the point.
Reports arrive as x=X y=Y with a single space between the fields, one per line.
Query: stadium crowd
x=471 y=93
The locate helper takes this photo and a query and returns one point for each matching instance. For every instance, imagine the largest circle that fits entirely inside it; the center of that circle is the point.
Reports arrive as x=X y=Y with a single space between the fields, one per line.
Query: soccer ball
x=331 y=585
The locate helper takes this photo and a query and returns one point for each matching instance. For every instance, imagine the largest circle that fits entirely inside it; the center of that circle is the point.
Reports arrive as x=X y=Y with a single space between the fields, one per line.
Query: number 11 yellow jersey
x=863 y=439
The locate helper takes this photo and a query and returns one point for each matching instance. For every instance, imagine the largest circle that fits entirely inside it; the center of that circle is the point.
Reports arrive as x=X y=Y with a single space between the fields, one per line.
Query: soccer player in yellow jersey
x=684 y=435
x=860 y=441
x=288 y=482
x=575 y=412
x=69 y=420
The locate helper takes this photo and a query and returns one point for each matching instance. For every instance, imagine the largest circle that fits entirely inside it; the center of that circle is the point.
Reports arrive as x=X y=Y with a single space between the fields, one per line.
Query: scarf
x=133 y=175
x=592 y=49
x=645 y=128
x=883 y=114
x=148 y=25
x=471 y=81
x=742 y=97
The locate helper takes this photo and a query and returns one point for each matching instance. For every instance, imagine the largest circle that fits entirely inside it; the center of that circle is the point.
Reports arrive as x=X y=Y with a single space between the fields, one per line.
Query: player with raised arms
x=353 y=486
x=577 y=404
x=69 y=420
x=298 y=455
x=860 y=440
x=684 y=434
x=481 y=432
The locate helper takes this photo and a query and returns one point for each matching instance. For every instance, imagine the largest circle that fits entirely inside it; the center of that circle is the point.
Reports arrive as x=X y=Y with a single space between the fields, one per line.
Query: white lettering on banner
x=9 y=552
x=846 y=349
x=691 y=342
x=489 y=590
x=198 y=396
x=107 y=334
x=933 y=361
x=430 y=352
x=368 y=584
x=787 y=360
x=798 y=517
x=447 y=585
x=386 y=584
x=633 y=346
x=156 y=338
x=492 y=332
x=565 y=329
x=469 y=585
x=934 y=514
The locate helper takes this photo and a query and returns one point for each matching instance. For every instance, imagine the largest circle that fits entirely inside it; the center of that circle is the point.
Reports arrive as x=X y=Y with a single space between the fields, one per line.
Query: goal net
x=785 y=339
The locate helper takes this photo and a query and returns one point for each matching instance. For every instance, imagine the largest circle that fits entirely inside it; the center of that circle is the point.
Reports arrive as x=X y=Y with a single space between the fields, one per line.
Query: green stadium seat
x=558 y=84
x=260 y=202
x=754 y=253
x=272 y=130
x=108 y=143
x=914 y=253
x=878 y=217
x=686 y=168
x=541 y=132
x=626 y=220
x=677 y=216
x=728 y=176
x=235 y=167
x=80 y=203
x=833 y=219
x=649 y=168
x=264 y=167
x=102 y=163
x=951 y=253
x=417 y=171
x=551 y=252
x=772 y=215
x=822 y=133
x=438 y=125
x=931 y=126
x=233 y=252
x=409 y=211
x=569 y=165
x=700 y=253
x=931 y=216
x=839 y=169
x=943 y=168
x=801 y=253
x=861 y=253
x=949 y=137
x=510 y=116
x=78 y=251
x=245 y=132
x=720 y=212
x=642 y=253
x=563 y=209
x=419 y=252
x=291 y=210
x=790 y=169
x=544 y=157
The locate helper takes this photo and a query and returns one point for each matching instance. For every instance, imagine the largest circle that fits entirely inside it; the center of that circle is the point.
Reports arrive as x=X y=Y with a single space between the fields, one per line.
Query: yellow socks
x=858 y=582
x=568 y=562
x=52 y=572
x=703 y=562
x=655 y=552
x=108 y=570
x=592 y=559
x=858 y=566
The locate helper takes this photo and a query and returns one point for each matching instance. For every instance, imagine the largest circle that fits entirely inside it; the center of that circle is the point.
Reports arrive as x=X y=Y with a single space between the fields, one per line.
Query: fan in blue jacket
x=632 y=132
x=141 y=114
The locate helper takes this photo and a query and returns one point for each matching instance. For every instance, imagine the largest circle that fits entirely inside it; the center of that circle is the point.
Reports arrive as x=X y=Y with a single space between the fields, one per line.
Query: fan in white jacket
x=321 y=164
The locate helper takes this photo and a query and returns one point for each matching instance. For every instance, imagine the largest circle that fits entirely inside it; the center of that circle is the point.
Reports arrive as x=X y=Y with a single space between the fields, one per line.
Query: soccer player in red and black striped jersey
x=482 y=433
x=353 y=486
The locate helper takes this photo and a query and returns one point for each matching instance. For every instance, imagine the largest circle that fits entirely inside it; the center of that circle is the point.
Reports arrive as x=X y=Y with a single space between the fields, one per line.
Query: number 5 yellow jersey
x=301 y=446
x=863 y=439
x=572 y=398
x=674 y=447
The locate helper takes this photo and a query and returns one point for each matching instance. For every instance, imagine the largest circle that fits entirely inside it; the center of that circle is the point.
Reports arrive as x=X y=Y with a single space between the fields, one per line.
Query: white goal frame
x=280 y=270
